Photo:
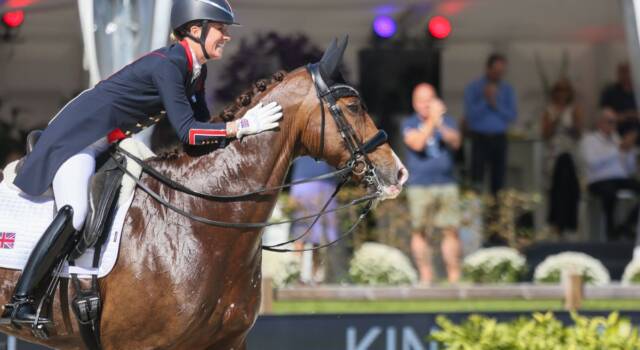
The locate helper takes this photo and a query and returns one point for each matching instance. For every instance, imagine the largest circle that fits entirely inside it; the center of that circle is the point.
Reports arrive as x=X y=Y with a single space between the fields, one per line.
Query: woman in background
x=562 y=127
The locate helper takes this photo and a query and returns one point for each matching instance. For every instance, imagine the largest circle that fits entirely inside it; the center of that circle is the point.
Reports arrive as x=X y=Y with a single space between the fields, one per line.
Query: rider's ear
x=195 y=30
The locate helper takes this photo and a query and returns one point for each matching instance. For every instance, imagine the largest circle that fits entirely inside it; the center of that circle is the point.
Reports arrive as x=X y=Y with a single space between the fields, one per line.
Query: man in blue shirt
x=430 y=137
x=490 y=107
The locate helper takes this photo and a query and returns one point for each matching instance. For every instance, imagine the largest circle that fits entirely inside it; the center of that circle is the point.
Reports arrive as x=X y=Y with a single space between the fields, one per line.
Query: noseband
x=359 y=163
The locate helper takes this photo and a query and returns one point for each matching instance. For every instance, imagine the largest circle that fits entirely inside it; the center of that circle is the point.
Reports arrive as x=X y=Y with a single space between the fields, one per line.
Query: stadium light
x=439 y=27
x=13 y=19
x=384 y=26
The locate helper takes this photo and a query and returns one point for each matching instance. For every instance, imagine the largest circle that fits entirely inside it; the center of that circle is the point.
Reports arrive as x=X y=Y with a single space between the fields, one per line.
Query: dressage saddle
x=103 y=193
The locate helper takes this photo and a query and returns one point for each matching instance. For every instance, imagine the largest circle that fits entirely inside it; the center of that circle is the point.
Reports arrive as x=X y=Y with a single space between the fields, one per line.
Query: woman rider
x=170 y=79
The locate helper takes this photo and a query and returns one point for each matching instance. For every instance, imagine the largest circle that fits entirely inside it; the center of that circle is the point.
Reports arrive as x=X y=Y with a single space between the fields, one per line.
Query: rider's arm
x=169 y=81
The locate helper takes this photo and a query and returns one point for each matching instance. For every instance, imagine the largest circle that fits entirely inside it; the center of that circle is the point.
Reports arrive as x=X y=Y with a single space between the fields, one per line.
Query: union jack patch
x=7 y=240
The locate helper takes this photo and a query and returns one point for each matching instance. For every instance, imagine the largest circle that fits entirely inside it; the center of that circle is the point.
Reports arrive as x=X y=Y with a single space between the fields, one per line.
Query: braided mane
x=172 y=148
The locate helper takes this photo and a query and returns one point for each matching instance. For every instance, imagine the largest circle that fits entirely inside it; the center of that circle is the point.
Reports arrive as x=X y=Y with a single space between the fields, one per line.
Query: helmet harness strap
x=203 y=37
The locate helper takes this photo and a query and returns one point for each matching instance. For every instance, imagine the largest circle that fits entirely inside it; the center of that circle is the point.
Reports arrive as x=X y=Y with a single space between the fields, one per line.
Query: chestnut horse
x=180 y=284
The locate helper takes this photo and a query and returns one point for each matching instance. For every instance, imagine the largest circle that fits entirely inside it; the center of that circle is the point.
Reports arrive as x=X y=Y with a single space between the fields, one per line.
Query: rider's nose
x=403 y=176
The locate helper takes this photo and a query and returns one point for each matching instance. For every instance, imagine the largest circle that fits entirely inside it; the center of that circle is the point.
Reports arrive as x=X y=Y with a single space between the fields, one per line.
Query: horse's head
x=338 y=128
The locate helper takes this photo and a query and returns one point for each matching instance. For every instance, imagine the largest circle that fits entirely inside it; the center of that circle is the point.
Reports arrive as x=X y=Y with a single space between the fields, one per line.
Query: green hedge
x=539 y=332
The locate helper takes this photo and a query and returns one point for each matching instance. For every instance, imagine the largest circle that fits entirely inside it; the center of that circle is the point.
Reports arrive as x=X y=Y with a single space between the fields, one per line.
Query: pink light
x=439 y=27
x=13 y=19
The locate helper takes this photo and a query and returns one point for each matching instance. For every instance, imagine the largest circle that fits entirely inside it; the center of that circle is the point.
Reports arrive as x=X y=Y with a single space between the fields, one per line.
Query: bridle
x=359 y=162
x=359 y=165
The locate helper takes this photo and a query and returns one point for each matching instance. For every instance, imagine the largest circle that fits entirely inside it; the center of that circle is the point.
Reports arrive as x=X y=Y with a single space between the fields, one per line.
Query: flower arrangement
x=591 y=269
x=282 y=268
x=631 y=273
x=495 y=265
x=379 y=264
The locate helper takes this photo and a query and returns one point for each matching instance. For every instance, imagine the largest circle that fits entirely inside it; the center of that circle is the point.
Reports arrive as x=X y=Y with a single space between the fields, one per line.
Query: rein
x=370 y=199
x=358 y=165
x=179 y=187
x=225 y=224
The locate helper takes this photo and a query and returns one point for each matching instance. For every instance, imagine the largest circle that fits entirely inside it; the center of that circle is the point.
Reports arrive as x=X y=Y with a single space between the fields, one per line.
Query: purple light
x=384 y=26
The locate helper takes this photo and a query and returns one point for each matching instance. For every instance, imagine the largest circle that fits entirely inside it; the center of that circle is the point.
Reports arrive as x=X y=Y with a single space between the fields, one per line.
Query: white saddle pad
x=23 y=220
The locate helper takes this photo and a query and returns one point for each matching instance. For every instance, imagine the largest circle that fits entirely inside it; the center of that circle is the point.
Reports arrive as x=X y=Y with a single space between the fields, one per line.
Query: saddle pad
x=23 y=220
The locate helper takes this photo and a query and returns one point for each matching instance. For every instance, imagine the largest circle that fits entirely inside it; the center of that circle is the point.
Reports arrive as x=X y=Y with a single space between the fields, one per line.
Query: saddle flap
x=103 y=194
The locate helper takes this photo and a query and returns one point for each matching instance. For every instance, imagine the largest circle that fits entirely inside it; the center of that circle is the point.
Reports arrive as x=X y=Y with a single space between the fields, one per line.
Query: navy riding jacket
x=128 y=100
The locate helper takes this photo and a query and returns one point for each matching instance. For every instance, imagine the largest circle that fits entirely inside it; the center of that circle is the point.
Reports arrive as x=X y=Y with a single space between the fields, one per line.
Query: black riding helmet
x=201 y=12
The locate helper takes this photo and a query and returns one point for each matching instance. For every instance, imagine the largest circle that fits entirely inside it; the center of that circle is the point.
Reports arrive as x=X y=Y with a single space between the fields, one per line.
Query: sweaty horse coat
x=160 y=80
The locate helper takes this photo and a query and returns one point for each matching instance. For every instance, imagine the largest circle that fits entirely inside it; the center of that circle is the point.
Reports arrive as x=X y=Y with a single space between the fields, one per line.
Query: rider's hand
x=258 y=119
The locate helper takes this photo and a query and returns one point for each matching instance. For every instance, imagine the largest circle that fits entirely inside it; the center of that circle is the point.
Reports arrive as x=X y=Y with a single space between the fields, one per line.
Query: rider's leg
x=70 y=187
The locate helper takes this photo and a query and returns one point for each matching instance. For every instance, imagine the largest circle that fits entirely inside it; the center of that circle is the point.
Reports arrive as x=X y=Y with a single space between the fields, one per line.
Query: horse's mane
x=174 y=148
x=246 y=98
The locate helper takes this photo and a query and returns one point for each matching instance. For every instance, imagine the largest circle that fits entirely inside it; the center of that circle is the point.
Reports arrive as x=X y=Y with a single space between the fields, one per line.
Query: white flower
x=632 y=270
x=379 y=264
x=282 y=268
x=491 y=257
x=584 y=264
x=494 y=265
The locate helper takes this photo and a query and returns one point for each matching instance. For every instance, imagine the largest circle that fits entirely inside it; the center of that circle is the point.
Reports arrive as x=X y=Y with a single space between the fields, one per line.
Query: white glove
x=258 y=119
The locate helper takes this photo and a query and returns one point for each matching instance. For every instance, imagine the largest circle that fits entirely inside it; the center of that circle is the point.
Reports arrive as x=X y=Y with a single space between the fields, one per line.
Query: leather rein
x=358 y=165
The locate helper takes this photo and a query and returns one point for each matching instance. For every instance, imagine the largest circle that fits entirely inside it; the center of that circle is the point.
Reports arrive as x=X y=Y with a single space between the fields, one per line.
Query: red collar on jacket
x=187 y=52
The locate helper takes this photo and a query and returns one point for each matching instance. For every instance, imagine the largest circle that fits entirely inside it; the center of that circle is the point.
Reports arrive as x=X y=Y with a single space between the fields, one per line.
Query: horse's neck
x=261 y=160
x=245 y=165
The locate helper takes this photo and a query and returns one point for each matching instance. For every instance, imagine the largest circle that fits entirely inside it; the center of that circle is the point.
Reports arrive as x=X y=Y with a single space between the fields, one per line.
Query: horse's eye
x=354 y=108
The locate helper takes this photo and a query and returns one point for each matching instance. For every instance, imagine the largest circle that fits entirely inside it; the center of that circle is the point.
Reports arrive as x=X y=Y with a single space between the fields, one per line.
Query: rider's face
x=217 y=37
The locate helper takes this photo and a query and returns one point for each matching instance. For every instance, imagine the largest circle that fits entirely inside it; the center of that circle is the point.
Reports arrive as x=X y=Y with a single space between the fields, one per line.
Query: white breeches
x=71 y=182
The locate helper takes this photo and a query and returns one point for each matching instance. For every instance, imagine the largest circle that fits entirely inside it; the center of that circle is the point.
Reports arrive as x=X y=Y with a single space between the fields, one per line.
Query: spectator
x=561 y=129
x=610 y=162
x=308 y=199
x=430 y=137
x=490 y=107
x=619 y=96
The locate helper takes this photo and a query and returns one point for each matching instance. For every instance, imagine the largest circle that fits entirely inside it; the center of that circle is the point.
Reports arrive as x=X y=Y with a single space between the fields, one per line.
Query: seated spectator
x=610 y=162
x=308 y=199
x=619 y=96
x=562 y=123
x=430 y=137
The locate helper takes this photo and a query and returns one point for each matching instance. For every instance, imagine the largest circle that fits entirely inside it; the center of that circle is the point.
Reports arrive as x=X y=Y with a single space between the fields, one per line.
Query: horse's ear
x=329 y=50
x=332 y=58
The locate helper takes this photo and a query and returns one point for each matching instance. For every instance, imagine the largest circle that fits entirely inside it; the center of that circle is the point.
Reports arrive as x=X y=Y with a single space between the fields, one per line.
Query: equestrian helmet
x=186 y=11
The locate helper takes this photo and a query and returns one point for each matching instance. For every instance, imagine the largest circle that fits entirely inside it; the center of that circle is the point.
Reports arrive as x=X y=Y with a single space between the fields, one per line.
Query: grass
x=419 y=306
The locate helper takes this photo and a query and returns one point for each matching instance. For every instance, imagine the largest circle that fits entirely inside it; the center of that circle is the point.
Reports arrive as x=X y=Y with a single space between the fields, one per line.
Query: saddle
x=103 y=195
